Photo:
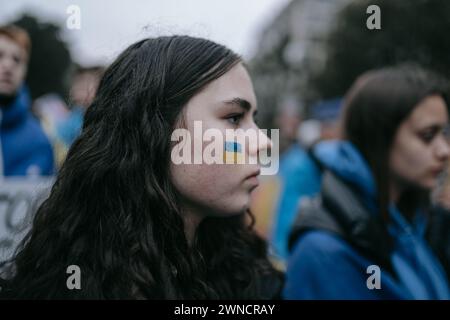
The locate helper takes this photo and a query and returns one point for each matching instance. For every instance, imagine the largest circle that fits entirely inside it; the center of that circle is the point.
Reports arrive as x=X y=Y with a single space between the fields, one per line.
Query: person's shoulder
x=298 y=160
x=321 y=241
x=295 y=153
x=318 y=251
x=324 y=249
x=35 y=132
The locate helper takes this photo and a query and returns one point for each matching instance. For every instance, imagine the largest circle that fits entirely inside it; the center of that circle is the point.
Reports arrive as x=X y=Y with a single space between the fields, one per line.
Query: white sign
x=19 y=200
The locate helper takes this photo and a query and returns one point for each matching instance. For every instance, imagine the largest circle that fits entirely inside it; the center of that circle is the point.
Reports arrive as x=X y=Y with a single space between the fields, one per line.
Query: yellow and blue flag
x=233 y=152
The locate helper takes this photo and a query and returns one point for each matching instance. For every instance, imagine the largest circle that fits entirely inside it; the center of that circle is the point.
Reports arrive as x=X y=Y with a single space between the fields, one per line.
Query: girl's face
x=420 y=149
x=220 y=189
x=13 y=66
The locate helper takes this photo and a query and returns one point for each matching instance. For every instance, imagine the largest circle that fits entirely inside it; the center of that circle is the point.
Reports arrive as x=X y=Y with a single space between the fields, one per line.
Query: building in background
x=291 y=51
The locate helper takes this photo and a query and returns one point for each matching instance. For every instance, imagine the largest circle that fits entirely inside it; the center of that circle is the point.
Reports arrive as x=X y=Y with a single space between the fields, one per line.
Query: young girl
x=134 y=223
x=364 y=237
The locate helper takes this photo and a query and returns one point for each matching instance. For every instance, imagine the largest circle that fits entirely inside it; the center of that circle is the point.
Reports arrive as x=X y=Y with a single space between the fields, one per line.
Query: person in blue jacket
x=300 y=179
x=24 y=148
x=300 y=176
x=364 y=236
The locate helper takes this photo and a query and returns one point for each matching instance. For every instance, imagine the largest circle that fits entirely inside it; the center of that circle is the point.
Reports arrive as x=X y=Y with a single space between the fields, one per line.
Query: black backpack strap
x=312 y=216
x=312 y=155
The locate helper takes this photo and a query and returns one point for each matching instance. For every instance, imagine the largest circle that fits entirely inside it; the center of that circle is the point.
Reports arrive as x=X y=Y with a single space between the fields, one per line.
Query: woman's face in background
x=228 y=102
x=420 y=149
x=13 y=66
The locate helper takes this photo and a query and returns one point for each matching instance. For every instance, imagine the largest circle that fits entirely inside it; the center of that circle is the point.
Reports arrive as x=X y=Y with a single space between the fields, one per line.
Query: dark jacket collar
x=340 y=210
x=16 y=112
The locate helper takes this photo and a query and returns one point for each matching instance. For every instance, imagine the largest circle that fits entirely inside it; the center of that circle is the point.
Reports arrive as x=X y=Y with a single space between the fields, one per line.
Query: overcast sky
x=108 y=26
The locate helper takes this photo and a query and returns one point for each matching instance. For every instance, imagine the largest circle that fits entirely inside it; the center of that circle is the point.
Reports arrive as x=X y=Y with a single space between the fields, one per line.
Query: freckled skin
x=217 y=189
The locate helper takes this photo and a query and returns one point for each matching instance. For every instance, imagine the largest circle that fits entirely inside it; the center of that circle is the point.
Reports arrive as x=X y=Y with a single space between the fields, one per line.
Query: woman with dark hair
x=364 y=236
x=136 y=224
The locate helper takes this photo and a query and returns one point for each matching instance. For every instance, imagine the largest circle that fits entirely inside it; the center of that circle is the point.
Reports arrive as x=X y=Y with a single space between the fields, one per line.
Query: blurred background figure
x=296 y=50
x=288 y=118
x=265 y=198
x=327 y=112
x=51 y=110
x=439 y=226
x=309 y=132
x=25 y=149
x=441 y=194
x=374 y=206
x=62 y=123
x=299 y=174
x=82 y=92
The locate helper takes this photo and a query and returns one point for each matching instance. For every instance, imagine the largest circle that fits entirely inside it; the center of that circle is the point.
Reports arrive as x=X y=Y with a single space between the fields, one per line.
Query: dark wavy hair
x=113 y=209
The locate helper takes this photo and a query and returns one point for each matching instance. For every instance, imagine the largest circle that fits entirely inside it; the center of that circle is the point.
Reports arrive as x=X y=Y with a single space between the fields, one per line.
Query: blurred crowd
x=35 y=137
x=49 y=124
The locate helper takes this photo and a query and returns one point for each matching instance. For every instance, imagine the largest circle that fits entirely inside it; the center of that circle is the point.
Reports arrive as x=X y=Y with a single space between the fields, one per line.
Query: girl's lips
x=437 y=171
x=253 y=180
x=6 y=81
x=255 y=174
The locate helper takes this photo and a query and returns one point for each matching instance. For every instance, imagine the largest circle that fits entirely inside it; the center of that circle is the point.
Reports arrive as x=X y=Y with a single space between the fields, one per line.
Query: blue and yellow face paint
x=233 y=153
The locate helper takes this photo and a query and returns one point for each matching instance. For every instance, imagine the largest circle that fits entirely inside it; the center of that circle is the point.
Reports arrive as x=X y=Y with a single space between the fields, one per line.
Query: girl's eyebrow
x=244 y=104
x=434 y=126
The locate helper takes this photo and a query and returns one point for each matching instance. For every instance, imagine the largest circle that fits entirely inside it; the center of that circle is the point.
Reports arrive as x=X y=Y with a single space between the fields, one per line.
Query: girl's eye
x=428 y=135
x=235 y=118
x=446 y=132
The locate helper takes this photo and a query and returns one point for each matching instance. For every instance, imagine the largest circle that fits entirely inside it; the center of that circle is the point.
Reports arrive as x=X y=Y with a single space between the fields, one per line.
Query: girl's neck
x=406 y=200
x=191 y=221
x=395 y=193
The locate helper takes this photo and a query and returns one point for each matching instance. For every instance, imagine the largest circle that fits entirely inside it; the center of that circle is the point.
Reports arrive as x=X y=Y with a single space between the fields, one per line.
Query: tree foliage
x=413 y=31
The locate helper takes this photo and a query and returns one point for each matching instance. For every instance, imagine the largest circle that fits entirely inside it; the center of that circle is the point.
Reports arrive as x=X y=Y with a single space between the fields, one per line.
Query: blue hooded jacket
x=25 y=149
x=299 y=179
x=325 y=266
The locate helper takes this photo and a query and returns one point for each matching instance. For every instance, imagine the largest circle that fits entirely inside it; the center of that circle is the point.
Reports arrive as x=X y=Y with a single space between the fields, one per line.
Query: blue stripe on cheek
x=231 y=146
